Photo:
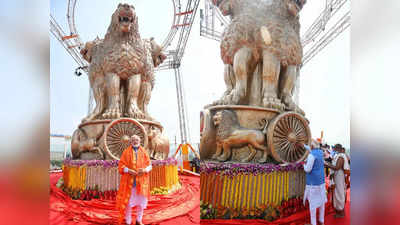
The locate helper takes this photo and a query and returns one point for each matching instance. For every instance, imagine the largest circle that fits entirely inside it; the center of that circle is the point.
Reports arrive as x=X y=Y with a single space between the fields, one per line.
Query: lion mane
x=107 y=53
x=226 y=123
x=115 y=35
x=248 y=16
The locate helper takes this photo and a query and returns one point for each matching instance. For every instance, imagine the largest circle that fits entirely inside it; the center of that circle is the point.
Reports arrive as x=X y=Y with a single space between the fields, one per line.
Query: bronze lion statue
x=121 y=71
x=262 y=42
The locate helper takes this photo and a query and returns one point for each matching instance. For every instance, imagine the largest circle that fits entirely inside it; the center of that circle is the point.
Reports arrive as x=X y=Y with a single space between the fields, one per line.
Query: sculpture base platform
x=241 y=130
x=244 y=188
x=100 y=178
x=106 y=139
x=179 y=207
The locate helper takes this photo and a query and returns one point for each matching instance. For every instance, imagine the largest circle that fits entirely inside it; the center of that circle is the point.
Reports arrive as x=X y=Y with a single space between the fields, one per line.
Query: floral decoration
x=233 y=169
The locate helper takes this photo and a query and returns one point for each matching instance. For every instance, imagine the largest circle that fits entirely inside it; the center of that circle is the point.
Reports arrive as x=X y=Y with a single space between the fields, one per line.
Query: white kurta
x=136 y=199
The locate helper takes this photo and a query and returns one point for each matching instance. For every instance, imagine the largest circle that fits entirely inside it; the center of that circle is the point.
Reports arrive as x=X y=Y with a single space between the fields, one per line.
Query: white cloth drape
x=339 y=195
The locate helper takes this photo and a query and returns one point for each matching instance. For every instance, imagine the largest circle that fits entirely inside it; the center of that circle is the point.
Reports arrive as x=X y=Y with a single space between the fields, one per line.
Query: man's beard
x=135 y=145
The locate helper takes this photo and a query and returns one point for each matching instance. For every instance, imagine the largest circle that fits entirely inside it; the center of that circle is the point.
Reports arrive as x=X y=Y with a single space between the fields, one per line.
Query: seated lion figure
x=231 y=135
x=264 y=35
x=121 y=71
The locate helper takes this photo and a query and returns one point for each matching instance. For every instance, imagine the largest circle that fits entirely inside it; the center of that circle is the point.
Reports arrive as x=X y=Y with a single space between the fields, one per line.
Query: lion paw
x=112 y=113
x=222 y=158
x=134 y=112
x=272 y=102
x=245 y=160
x=291 y=106
x=215 y=156
x=262 y=160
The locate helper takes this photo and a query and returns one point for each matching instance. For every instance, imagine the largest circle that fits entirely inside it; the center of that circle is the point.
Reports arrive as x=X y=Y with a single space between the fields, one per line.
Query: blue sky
x=324 y=87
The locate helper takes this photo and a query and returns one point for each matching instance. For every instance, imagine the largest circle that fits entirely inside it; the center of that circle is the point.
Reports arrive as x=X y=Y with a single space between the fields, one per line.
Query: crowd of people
x=326 y=162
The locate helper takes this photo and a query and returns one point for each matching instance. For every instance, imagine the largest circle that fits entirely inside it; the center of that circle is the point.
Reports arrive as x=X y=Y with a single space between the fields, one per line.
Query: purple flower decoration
x=91 y=163
x=169 y=161
x=233 y=169
x=113 y=163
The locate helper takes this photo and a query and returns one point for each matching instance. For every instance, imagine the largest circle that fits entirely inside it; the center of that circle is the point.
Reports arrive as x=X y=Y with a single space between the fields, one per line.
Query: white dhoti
x=316 y=196
x=140 y=201
x=339 y=195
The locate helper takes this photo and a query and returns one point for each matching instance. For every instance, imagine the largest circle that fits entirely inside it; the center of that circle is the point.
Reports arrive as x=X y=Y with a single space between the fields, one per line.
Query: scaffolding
x=314 y=40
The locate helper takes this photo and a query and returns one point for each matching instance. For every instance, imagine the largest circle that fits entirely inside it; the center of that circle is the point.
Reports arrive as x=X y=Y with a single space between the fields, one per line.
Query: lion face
x=86 y=51
x=156 y=53
x=224 y=6
x=126 y=17
x=294 y=6
x=217 y=118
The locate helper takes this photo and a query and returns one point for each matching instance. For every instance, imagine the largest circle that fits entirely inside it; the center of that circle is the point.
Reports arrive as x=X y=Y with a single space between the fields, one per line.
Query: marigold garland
x=244 y=187
x=87 y=179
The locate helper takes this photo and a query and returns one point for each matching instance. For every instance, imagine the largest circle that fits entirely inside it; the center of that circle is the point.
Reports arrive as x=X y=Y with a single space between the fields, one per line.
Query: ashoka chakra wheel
x=118 y=133
x=286 y=134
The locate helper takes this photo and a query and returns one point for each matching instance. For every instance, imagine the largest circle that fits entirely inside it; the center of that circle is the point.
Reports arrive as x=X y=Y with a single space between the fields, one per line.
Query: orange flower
x=245 y=213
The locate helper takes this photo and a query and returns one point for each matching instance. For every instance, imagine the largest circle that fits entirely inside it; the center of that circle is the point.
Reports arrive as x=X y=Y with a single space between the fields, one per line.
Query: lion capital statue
x=261 y=42
x=121 y=71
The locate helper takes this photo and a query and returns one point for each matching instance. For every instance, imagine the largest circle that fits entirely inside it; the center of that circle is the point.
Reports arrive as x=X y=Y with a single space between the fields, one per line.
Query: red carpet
x=180 y=207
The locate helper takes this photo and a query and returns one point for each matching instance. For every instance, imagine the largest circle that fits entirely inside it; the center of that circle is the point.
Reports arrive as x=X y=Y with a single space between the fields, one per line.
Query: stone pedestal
x=106 y=139
x=281 y=133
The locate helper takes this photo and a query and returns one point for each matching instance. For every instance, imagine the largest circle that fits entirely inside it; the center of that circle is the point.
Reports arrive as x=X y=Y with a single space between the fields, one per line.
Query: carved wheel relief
x=286 y=134
x=118 y=133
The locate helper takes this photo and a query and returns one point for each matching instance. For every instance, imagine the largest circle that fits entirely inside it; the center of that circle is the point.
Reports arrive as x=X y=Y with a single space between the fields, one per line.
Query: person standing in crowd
x=315 y=182
x=333 y=152
x=134 y=188
x=327 y=157
x=339 y=166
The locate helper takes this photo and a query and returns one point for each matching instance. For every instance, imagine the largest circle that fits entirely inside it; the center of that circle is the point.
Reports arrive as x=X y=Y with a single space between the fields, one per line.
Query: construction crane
x=183 y=17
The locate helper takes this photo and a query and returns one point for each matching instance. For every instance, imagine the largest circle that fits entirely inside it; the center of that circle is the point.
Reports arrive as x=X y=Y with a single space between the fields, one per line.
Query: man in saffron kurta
x=134 y=187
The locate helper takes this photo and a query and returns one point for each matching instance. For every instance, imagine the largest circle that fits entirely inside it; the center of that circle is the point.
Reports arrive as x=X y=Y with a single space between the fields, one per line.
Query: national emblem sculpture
x=121 y=76
x=262 y=54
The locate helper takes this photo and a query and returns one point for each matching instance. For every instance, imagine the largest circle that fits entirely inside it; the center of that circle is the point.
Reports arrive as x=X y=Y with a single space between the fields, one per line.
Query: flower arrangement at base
x=207 y=211
x=88 y=179
x=160 y=191
x=233 y=169
x=265 y=212
x=90 y=194
x=292 y=206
